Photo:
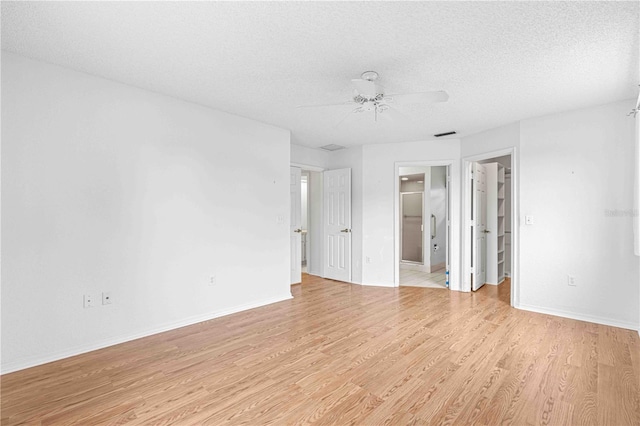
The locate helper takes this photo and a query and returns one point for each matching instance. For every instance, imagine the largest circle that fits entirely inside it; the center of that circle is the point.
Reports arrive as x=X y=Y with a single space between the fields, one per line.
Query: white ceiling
x=499 y=61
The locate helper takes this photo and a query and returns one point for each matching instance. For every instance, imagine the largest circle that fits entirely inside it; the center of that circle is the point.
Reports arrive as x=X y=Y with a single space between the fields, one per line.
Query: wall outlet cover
x=89 y=301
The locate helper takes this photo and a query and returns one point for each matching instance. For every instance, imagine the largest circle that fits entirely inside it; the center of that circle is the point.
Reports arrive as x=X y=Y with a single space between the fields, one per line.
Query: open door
x=337 y=224
x=296 y=225
x=447 y=195
x=478 y=226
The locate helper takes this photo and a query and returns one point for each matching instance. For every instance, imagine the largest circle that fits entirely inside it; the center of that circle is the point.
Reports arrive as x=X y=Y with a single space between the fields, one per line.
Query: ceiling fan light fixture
x=369 y=97
x=369 y=75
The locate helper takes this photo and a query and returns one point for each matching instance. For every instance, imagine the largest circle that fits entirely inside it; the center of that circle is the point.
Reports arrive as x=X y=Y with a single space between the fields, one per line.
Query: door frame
x=453 y=206
x=465 y=282
x=314 y=235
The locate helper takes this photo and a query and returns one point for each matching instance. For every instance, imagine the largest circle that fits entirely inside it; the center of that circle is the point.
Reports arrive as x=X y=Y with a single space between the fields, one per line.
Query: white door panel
x=448 y=226
x=337 y=227
x=296 y=225
x=479 y=227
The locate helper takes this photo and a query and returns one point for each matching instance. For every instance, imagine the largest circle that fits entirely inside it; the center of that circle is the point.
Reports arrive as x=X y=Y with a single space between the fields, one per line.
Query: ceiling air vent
x=439 y=135
x=332 y=147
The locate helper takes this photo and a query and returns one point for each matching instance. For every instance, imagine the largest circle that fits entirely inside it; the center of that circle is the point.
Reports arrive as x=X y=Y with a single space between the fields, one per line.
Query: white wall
x=491 y=140
x=378 y=192
x=304 y=156
x=576 y=168
x=109 y=188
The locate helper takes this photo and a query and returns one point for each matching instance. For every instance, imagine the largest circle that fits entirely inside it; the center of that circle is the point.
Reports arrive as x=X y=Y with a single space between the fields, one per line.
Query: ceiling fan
x=369 y=96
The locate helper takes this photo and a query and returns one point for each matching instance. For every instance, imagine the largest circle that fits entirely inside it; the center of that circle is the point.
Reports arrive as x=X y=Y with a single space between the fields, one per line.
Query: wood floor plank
x=348 y=355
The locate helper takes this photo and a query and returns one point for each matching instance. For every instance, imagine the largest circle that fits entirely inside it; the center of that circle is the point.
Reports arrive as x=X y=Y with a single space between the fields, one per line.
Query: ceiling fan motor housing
x=369 y=75
x=360 y=99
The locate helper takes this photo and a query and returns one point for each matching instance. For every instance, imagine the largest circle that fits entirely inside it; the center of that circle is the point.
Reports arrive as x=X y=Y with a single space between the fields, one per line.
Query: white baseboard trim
x=378 y=284
x=437 y=266
x=579 y=317
x=35 y=361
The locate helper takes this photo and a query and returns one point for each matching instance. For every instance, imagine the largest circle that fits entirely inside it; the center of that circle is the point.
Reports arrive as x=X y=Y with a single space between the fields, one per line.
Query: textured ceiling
x=499 y=61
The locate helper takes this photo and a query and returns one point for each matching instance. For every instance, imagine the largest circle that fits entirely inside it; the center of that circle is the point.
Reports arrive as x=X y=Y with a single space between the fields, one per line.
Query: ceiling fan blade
x=365 y=87
x=346 y=103
x=344 y=119
x=392 y=114
x=419 y=97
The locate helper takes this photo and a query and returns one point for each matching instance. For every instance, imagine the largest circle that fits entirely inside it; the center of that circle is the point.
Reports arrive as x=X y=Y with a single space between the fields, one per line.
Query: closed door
x=337 y=224
x=295 y=234
x=479 y=226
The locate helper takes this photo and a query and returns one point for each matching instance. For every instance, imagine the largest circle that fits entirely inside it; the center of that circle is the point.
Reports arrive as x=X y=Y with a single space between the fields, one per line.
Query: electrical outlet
x=212 y=280
x=528 y=220
x=368 y=259
x=571 y=280
x=106 y=298
x=89 y=301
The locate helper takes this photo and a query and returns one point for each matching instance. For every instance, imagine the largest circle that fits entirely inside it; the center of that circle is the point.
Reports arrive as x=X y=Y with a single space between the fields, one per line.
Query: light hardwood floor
x=345 y=354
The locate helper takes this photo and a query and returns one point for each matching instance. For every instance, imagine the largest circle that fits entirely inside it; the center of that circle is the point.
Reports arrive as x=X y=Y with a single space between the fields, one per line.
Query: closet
x=495 y=180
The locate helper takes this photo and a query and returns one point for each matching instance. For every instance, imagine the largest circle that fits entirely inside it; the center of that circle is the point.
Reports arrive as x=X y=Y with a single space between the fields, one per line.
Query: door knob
x=345 y=230
x=297 y=230
x=486 y=231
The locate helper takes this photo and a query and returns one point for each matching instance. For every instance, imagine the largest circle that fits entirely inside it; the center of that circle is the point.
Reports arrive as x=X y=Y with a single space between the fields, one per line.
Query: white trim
x=387 y=285
x=580 y=317
x=39 y=360
x=454 y=267
x=515 y=212
x=308 y=167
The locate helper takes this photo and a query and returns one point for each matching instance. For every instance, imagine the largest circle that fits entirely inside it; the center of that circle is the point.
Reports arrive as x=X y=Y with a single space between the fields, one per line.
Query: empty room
x=340 y=213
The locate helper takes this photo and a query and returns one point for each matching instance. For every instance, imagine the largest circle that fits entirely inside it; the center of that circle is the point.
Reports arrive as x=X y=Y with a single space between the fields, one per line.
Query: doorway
x=424 y=226
x=308 y=255
x=489 y=212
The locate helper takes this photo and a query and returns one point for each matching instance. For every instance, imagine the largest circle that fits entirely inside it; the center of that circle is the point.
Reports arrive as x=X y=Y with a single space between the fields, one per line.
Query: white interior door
x=337 y=224
x=447 y=197
x=479 y=226
x=296 y=225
